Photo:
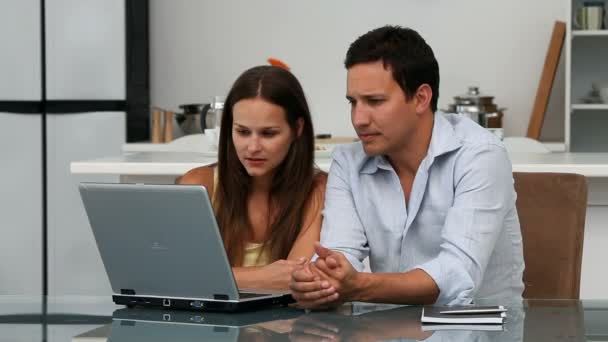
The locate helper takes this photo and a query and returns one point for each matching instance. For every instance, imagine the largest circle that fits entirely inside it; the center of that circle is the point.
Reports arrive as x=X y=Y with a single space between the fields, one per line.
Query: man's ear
x=299 y=127
x=423 y=97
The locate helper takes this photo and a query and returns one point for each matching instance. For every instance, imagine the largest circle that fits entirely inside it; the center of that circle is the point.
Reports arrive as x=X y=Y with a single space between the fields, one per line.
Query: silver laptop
x=161 y=246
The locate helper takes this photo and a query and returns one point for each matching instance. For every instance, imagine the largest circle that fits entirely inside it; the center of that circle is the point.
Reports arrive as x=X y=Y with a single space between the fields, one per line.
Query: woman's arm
x=278 y=274
x=311 y=227
x=273 y=276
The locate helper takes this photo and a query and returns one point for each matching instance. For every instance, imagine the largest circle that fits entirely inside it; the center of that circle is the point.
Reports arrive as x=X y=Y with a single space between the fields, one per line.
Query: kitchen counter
x=165 y=167
x=144 y=163
x=177 y=163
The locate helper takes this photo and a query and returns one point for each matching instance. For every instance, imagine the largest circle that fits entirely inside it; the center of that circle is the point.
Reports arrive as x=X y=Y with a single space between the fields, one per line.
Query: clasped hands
x=326 y=282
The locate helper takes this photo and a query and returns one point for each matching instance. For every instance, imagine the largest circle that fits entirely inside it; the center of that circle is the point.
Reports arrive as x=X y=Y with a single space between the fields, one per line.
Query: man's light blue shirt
x=460 y=224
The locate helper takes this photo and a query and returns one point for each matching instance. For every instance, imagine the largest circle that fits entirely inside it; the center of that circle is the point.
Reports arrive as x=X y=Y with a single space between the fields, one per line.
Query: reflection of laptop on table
x=144 y=324
x=161 y=246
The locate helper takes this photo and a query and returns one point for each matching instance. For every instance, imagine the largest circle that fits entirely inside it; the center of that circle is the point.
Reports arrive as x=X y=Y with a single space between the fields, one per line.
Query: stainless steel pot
x=479 y=108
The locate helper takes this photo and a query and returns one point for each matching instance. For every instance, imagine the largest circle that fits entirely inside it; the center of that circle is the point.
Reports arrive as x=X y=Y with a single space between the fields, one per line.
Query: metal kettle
x=193 y=119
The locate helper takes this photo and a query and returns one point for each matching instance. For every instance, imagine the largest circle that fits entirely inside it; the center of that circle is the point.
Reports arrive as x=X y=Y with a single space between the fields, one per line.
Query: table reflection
x=79 y=321
x=533 y=321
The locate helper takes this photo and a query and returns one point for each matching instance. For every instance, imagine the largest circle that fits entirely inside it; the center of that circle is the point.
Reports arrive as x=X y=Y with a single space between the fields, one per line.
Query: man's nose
x=359 y=115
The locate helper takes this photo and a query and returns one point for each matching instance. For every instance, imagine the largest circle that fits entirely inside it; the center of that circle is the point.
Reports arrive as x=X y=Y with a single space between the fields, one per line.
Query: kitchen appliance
x=193 y=119
x=197 y=117
x=480 y=108
x=214 y=118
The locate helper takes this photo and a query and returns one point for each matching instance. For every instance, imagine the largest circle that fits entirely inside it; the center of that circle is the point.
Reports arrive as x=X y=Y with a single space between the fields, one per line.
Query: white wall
x=198 y=48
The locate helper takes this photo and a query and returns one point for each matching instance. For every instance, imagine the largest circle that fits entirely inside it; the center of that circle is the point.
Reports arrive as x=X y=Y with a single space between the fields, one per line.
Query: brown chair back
x=552 y=209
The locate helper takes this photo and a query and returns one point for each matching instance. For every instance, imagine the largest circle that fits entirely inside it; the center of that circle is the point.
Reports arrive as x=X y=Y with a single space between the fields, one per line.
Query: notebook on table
x=161 y=246
x=463 y=315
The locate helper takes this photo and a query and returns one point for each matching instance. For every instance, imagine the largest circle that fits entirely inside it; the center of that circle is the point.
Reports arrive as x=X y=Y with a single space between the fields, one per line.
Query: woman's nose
x=254 y=144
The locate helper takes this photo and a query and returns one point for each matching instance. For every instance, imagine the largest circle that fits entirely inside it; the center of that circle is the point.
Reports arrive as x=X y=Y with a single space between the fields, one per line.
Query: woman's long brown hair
x=293 y=180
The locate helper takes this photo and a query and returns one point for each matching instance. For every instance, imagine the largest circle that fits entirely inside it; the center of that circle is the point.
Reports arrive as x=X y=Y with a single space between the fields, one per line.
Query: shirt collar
x=443 y=140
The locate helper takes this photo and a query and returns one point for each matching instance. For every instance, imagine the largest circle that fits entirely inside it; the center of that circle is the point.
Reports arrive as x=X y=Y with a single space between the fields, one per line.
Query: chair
x=203 y=175
x=552 y=208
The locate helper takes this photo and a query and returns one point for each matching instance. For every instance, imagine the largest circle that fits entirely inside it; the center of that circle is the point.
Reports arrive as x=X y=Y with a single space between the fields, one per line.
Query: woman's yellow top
x=255 y=255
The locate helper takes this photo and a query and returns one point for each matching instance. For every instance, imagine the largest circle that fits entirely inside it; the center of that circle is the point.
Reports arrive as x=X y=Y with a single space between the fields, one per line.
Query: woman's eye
x=269 y=133
x=242 y=132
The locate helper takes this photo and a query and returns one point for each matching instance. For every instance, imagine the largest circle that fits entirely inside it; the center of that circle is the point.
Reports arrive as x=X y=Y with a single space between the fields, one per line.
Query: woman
x=268 y=194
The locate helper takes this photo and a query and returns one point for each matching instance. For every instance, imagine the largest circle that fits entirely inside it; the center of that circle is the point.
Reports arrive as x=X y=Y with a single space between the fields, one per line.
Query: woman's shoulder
x=319 y=180
x=317 y=193
x=202 y=175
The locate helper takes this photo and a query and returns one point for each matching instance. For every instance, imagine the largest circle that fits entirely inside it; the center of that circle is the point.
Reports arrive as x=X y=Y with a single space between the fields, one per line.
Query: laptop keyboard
x=247 y=295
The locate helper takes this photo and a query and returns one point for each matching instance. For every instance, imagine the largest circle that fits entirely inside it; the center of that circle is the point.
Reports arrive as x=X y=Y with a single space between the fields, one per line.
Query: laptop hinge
x=127 y=292
x=221 y=297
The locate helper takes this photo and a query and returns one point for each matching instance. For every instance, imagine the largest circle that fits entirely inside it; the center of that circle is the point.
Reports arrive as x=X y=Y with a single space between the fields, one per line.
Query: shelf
x=587 y=33
x=589 y=106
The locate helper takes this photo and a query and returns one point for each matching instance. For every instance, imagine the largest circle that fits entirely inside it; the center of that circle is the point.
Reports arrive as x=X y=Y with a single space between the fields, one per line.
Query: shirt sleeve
x=342 y=229
x=483 y=194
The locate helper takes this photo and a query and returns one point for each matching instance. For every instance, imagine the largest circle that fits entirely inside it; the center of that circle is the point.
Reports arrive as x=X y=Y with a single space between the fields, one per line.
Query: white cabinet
x=85 y=67
x=20 y=57
x=20 y=204
x=75 y=266
x=586 y=63
x=20 y=150
x=85 y=49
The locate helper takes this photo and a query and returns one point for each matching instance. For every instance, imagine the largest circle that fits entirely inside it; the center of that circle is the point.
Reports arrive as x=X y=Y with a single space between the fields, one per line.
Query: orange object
x=547 y=77
x=278 y=63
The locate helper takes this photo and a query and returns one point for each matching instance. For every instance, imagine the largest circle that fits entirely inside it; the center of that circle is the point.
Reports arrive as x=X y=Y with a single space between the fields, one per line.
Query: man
x=428 y=197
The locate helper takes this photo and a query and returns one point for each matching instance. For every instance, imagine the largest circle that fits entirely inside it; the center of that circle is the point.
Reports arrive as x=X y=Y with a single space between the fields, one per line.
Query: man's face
x=380 y=114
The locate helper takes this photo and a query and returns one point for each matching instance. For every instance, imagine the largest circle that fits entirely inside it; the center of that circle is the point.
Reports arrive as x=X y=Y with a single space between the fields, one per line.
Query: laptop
x=161 y=246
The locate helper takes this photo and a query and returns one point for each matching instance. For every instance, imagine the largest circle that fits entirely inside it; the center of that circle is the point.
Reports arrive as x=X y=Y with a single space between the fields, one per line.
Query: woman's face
x=261 y=135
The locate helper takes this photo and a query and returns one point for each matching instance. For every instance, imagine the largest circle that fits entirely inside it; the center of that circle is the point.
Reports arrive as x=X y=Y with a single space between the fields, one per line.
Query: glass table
x=96 y=319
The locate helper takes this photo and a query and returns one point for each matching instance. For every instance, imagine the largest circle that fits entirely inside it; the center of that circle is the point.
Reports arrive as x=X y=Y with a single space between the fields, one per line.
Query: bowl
x=602 y=90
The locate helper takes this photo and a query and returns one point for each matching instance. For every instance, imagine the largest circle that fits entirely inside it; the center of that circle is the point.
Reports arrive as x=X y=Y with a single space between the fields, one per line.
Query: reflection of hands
x=398 y=323
x=309 y=328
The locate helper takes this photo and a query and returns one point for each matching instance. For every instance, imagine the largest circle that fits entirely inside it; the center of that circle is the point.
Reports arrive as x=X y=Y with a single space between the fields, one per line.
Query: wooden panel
x=546 y=80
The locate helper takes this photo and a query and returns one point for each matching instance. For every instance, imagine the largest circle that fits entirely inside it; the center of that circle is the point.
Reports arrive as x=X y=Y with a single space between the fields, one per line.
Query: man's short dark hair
x=402 y=50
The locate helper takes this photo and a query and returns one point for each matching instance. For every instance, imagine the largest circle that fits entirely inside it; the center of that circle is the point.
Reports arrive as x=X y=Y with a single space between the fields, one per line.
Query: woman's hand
x=276 y=275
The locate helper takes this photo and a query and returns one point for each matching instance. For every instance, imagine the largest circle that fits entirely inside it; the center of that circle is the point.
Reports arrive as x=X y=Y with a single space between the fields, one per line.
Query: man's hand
x=342 y=275
x=328 y=282
x=311 y=288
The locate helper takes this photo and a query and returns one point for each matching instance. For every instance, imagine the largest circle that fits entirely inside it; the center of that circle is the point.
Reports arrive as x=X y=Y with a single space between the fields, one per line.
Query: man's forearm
x=412 y=287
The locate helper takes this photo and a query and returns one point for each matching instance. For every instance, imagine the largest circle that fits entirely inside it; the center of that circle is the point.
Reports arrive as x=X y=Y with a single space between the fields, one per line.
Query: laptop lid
x=159 y=240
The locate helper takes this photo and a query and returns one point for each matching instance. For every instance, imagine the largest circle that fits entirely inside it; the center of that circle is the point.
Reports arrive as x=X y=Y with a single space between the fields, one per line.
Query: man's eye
x=375 y=101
